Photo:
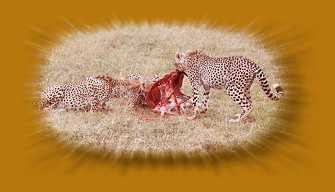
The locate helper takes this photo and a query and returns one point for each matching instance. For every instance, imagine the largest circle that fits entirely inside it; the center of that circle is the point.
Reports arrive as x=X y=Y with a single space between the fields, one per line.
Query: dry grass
x=150 y=49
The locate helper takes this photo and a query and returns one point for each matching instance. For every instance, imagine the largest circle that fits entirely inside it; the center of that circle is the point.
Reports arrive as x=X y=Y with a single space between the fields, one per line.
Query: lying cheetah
x=235 y=74
x=90 y=94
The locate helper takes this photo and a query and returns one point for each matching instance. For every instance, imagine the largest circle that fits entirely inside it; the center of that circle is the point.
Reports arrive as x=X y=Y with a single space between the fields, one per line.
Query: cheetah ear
x=142 y=86
x=178 y=55
x=199 y=51
x=189 y=52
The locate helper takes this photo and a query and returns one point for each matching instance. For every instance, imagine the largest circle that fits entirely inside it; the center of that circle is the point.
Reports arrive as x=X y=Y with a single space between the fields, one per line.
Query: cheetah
x=234 y=73
x=90 y=94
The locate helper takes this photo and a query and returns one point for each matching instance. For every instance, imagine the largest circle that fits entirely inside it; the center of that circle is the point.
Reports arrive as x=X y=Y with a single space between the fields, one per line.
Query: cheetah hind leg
x=51 y=106
x=105 y=108
x=245 y=102
x=249 y=118
x=242 y=117
x=238 y=118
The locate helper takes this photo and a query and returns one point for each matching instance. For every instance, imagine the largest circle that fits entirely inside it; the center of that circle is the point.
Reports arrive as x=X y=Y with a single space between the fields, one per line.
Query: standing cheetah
x=235 y=74
x=90 y=94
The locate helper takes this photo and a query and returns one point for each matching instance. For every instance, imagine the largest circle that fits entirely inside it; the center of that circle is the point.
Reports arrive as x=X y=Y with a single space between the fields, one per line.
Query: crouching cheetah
x=90 y=94
x=235 y=74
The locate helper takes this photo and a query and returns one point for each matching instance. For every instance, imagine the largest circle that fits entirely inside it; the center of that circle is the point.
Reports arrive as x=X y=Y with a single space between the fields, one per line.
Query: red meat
x=165 y=91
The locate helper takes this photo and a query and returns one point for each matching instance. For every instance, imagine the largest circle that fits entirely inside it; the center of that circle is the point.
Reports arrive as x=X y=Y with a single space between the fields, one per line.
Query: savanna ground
x=147 y=50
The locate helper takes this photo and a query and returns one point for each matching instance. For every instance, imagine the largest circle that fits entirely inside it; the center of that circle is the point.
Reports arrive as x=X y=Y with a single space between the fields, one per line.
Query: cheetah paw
x=234 y=120
x=192 y=117
x=248 y=119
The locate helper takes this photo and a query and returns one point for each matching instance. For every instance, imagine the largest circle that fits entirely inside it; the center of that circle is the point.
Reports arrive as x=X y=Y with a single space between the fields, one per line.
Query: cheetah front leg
x=94 y=103
x=195 y=97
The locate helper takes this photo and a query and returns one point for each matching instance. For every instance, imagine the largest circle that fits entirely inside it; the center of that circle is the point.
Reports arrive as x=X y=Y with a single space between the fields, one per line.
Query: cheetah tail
x=279 y=91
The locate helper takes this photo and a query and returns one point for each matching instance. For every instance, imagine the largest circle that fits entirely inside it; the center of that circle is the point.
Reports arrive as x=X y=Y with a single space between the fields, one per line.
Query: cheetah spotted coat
x=235 y=74
x=90 y=94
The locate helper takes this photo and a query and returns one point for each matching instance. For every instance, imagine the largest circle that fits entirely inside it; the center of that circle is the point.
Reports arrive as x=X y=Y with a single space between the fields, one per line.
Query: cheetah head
x=136 y=86
x=180 y=61
x=185 y=61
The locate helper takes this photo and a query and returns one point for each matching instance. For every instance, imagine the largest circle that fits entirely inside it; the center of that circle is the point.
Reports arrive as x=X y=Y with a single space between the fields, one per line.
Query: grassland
x=150 y=49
